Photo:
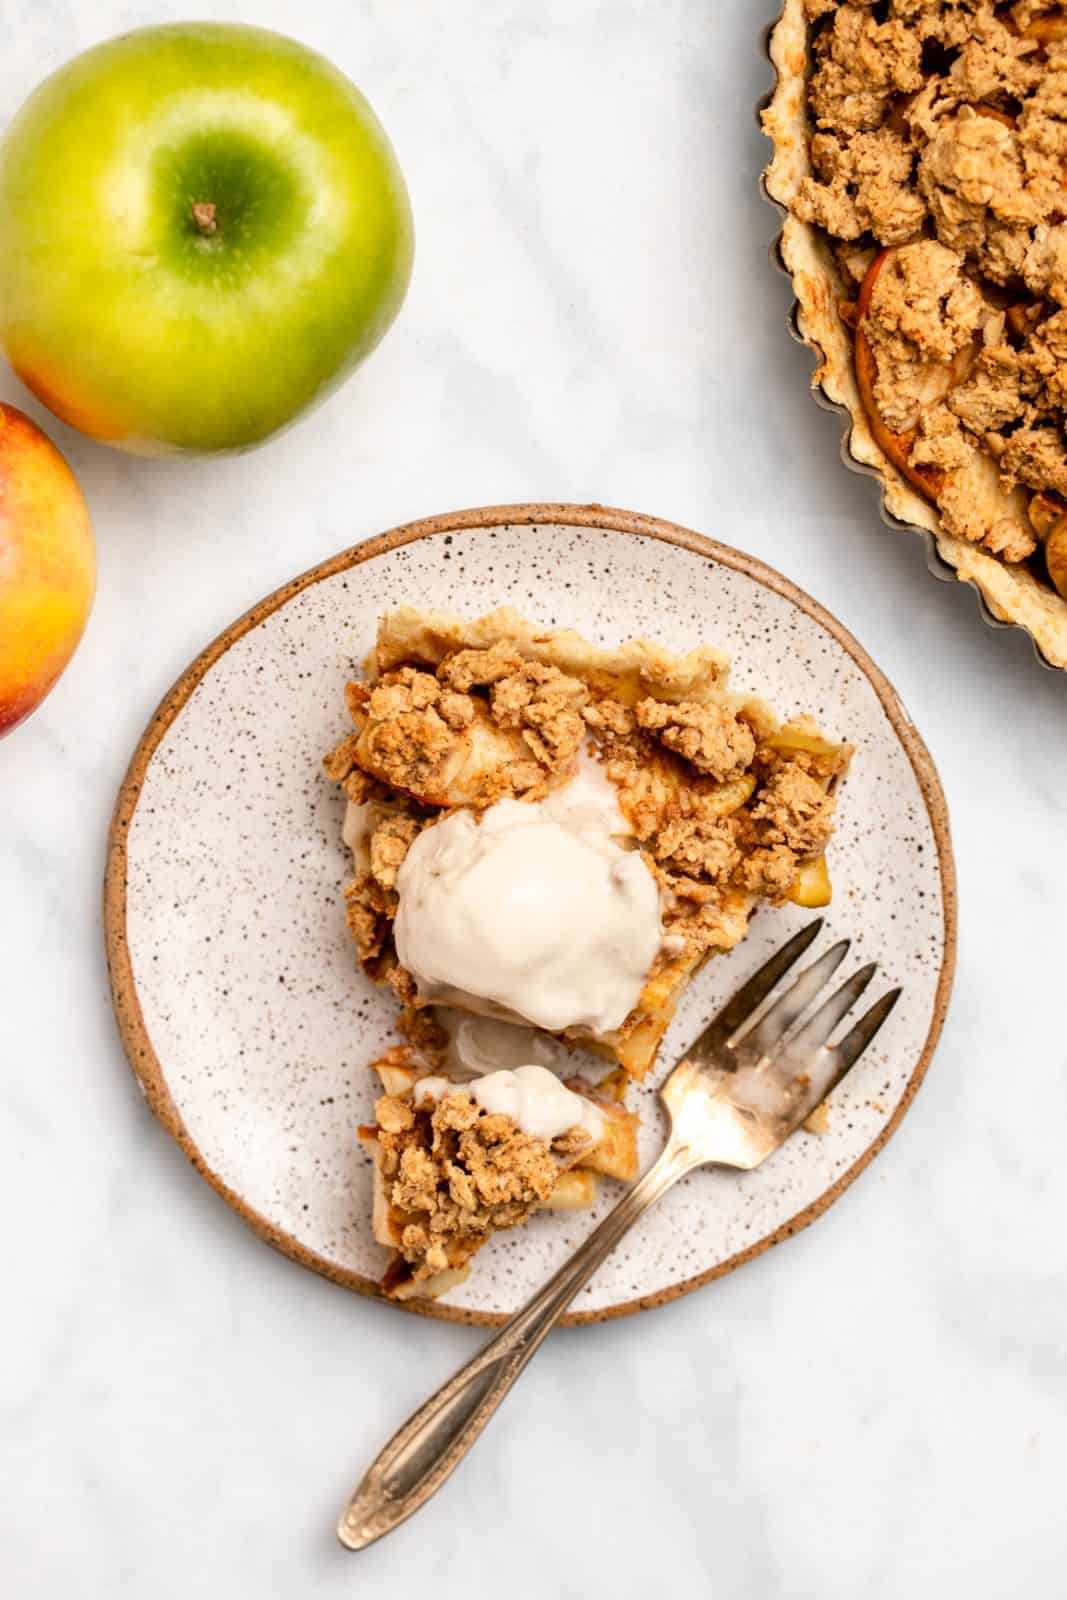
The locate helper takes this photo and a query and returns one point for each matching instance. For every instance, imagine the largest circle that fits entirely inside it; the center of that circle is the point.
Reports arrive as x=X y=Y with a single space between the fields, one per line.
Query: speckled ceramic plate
x=236 y=988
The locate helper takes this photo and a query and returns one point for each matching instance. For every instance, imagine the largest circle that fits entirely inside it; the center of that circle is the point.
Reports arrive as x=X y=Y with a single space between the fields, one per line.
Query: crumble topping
x=1045 y=266
x=863 y=185
x=972 y=178
x=710 y=737
x=940 y=441
x=476 y=669
x=939 y=131
x=389 y=845
x=1034 y=454
x=990 y=398
x=860 y=65
x=407 y=738
x=793 y=810
x=454 y=1173
x=546 y=705
x=923 y=312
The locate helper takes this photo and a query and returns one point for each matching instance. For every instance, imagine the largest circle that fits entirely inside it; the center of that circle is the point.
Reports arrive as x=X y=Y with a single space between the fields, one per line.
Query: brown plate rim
x=134 y=1034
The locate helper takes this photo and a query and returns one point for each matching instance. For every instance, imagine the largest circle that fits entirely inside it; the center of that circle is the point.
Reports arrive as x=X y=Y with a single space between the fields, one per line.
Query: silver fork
x=738 y=1092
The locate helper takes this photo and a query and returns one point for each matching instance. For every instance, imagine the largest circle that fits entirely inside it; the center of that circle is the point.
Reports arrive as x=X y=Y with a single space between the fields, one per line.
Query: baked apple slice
x=929 y=481
x=1056 y=556
x=971 y=498
x=1048 y=513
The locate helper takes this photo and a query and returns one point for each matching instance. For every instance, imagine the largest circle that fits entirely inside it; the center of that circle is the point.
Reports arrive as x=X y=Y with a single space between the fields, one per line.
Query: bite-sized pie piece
x=920 y=149
x=560 y=835
x=459 y=1157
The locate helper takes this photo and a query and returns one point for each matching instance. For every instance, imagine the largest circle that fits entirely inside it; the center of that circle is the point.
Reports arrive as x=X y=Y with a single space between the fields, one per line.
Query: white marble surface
x=877 y=1407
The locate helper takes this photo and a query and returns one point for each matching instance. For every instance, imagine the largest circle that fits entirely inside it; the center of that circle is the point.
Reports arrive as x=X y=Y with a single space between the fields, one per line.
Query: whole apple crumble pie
x=921 y=147
x=551 y=837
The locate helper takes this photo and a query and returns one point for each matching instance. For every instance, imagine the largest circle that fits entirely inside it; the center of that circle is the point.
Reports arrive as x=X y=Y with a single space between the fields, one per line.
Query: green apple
x=203 y=230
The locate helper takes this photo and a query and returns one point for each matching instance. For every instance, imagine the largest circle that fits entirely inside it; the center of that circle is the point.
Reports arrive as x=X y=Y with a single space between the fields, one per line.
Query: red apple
x=47 y=566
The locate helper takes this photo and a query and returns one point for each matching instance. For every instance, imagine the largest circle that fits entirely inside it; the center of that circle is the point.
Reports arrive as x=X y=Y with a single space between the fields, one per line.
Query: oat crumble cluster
x=939 y=131
x=453 y=1174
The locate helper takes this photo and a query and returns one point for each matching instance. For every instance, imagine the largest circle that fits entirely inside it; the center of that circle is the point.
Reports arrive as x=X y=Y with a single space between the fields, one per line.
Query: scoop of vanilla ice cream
x=532 y=911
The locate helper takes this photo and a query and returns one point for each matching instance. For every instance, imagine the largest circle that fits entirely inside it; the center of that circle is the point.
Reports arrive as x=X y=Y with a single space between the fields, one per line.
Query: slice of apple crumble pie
x=549 y=834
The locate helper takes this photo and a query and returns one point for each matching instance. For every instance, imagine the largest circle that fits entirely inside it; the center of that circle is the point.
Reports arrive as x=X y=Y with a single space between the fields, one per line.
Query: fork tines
x=787 y=1040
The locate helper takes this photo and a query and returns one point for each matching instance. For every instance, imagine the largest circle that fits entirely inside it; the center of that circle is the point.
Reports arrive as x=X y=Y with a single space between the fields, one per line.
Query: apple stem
x=204 y=216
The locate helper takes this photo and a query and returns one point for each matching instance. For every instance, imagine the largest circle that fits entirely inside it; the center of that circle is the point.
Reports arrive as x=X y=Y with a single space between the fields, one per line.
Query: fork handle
x=429 y=1447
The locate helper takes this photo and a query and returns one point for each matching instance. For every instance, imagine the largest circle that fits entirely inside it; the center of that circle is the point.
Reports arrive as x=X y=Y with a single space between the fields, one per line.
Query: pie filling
x=547 y=836
x=938 y=156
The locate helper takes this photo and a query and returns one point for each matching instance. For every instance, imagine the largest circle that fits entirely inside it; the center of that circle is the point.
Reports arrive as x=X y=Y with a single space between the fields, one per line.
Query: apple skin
x=896 y=447
x=47 y=566
x=155 y=331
